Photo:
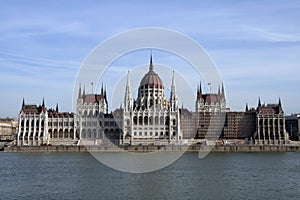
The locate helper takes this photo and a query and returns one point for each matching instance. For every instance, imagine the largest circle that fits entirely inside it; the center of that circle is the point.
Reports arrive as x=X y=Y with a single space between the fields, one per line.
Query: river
x=217 y=176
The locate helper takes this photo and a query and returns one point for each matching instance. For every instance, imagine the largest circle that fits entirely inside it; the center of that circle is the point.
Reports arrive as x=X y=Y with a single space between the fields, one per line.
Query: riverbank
x=193 y=148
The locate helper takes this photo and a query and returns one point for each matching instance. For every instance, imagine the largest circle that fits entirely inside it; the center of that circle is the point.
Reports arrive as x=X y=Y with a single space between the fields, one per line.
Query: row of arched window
x=144 y=121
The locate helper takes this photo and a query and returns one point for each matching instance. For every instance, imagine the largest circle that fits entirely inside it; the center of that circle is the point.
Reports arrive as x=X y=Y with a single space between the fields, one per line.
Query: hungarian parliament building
x=150 y=119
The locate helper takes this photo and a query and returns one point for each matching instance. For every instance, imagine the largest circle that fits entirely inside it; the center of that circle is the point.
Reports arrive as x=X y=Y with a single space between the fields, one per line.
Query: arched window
x=161 y=120
x=55 y=135
x=156 y=120
x=60 y=133
x=140 y=120
x=135 y=120
x=89 y=134
x=167 y=122
x=66 y=133
x=145 y=120
x=151 y=120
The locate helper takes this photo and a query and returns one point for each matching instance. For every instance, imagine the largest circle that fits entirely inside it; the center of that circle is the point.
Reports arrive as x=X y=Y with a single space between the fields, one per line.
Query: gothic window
x=94 y=133
x=55 y=133
x=145 y=120
x=66 y=133
x=167 y=120
x=140 y=120
x=156 y=120
x=135 y=120
x=151 y=120
x=60 y=133
x=161 y=120
x=89 y=134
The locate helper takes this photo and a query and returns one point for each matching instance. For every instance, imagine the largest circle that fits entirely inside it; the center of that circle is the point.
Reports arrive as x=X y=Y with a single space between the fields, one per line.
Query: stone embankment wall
x=194 y=148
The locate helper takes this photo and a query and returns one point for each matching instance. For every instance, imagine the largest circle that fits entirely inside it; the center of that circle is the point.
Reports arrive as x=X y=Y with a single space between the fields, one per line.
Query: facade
x=39 y=126
x=61 y=127
x=8 y=126
x=239 y=125
x=292 y=123
x=33 y=125
x=270 y=122
x=150 y=119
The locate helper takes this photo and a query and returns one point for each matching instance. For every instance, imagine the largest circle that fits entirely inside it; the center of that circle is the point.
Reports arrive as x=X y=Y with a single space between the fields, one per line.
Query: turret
x=128 y=99
x=173 y=96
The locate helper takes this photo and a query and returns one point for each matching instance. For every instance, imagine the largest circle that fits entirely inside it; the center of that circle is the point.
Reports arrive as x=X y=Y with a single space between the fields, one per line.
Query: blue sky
x=255 y=45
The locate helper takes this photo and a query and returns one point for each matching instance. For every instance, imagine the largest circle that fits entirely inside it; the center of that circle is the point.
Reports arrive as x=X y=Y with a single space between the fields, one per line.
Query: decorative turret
x=128 y=98
x=151 y=64
x=223 y=92
x=173 y=96
x=23 y=103
x=79 y=92
x=279 y=104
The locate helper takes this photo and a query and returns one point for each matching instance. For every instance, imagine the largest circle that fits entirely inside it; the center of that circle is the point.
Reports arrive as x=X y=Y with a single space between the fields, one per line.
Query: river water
x=217 y=176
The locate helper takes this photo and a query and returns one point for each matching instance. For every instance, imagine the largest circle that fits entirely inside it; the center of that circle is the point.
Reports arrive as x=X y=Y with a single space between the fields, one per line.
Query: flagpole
x=209 y=87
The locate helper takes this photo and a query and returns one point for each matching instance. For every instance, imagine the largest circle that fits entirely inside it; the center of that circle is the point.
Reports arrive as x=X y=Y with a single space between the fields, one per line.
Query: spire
x=43 y=104
x=128 y=99
x=151 y=64
x=199 y=95
x=23 y=103
x=83 y=94
x=79 y=92
x=279 y=102
x=173 y=87
x=247 y=109
x=173 y=96
x=102 y=89
x=223 y=92
x=200 y=89
x=219 y=92
x=173 y=79
x=259 y=103
x=56 y=109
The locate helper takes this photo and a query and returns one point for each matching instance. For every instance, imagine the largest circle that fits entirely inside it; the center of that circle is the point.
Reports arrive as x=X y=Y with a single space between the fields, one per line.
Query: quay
x=167 y=148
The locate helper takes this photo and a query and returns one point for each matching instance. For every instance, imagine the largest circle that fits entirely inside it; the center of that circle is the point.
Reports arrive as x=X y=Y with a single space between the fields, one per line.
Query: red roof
x=152 y=80
x=269 y=109
x=211 y=98
x=33 y=109
x=93 y=98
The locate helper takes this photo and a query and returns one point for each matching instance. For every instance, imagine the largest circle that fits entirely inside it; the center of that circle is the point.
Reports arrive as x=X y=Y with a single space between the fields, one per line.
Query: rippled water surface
x=218 y=176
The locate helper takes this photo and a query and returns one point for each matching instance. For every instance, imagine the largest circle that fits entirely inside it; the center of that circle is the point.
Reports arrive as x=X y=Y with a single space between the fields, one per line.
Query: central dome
x=151 y=79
